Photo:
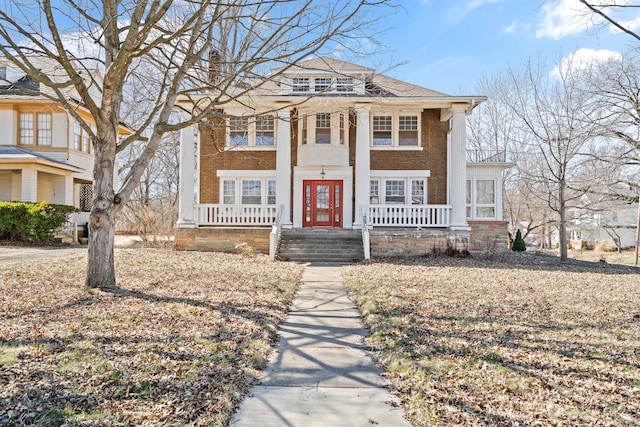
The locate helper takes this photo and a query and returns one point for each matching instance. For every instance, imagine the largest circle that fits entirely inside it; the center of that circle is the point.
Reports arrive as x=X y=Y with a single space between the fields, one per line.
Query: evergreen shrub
x=32 y=222
x=518 y=243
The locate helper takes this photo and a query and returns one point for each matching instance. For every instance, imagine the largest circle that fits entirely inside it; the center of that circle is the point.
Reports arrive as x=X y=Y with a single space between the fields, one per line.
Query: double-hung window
x=382 y=130
x=481 y=199
x=323 y=128
x=35 y=128
x=265 y=131
x=395 y=130
x=251 y=192
x=344 y=84
x=239 y=131
x=252 y=132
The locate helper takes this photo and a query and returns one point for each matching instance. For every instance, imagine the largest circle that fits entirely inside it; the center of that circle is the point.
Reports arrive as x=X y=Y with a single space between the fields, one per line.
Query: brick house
x=332 y=145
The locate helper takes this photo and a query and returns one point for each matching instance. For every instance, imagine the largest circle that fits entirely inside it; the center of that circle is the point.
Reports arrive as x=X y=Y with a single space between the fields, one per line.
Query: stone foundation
x=222 y=239
x=489 y=236
x=412 y=242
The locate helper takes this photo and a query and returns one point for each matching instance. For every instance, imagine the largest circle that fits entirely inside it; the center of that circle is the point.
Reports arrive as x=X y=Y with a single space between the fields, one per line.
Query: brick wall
x=433 y=157
x=214 y=158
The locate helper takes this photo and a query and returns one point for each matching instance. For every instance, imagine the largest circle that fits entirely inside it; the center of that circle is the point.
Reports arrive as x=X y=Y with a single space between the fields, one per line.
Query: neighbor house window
x=382 y=130
x=3 y=73
x=44 y=129
x=27 y=130
x=77 y=136
x=481 y=199
x=300 y=84
x=229 y=191
x=323 y=128
x=239 y=131
x=265 y=128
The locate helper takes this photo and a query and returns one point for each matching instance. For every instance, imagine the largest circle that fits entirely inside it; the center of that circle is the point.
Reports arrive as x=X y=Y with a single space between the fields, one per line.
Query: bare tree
x=551 y=108
x=173 y=39
x=612 y=12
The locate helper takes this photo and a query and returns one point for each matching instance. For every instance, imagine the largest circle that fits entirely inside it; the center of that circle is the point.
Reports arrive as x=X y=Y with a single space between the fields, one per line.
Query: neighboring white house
x=612 y=225
x=328 y=144
x=45 y=155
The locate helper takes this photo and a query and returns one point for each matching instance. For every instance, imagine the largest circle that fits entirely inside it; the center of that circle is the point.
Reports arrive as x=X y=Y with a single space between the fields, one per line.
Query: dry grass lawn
x=180 y=345
x=510 y=343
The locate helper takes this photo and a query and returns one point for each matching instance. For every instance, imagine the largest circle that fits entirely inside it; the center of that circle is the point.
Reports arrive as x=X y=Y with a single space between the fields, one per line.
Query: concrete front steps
x=321 y=245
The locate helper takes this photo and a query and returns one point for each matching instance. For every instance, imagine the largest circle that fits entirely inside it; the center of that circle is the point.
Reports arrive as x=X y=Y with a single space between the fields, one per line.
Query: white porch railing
x=206 y=214
x=366 y=245
x=274 y=236
x=409 y=216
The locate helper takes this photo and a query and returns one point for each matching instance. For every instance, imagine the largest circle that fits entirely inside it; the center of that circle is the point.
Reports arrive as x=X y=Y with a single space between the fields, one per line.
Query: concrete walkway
x=321 y=374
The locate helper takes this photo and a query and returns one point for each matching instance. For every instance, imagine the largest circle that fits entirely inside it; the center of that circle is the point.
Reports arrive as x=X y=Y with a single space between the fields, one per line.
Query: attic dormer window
x=344 y=84
x=301 y=84
x=322 y=84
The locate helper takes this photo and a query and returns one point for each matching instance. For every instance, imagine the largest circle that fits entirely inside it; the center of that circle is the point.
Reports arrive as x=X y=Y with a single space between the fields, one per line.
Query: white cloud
x=563 y=18
x=581 y=59
x=511 y=28
x=632 y=24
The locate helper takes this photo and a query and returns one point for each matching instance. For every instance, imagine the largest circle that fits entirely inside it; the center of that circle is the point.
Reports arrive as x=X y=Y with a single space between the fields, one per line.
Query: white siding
x=84 y=161
x=45 y=188
x=6 y=185
x=60 y=130
x=8 y=124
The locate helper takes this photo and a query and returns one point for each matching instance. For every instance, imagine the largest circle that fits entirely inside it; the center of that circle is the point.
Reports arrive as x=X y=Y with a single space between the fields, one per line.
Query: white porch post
x=283 y=165
x=363 y=163
x=186 y=179
x=29 y=190
x=458 y=172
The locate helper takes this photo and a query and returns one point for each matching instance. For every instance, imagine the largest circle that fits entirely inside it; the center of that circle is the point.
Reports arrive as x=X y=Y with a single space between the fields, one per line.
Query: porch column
x=363 y=163
x=458 y=172
x=29 y=190
x=283 y=165
x=186 y=179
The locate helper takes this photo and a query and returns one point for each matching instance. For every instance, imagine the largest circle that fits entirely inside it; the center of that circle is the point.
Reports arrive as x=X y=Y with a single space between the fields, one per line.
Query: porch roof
x=15 y=155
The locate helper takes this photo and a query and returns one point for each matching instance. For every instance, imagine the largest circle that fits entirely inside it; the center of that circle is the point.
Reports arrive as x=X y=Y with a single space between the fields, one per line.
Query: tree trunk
x=100 y=262
x=563 y=223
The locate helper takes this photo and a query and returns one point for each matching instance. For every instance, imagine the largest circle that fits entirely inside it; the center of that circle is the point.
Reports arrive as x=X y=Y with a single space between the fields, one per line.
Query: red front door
x=322 y=203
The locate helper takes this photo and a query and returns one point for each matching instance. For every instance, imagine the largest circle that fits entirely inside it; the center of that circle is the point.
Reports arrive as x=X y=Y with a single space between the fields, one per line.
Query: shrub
x=518 y=243
x=31 y=222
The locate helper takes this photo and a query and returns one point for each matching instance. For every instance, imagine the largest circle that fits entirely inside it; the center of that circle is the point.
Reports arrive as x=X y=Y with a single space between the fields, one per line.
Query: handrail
x=366 y=246
x=274 y=236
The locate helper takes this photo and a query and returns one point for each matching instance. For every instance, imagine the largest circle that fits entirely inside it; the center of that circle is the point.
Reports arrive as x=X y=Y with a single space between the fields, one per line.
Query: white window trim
x=408 y=176
x=395 y=130
x=240 y=175
x=474 y=205
x=252 y=133
x=349 y=84
x=310 y=118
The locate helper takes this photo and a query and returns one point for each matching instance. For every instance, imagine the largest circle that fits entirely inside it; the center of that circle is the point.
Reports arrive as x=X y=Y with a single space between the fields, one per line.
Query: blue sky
x=449 y=44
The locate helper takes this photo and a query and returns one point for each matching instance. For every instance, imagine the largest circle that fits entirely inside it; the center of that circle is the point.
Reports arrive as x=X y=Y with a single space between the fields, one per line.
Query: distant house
x=45 y=155
x=605 y=223
x=330 y=145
